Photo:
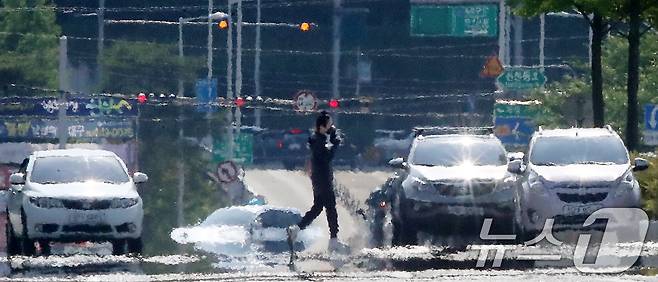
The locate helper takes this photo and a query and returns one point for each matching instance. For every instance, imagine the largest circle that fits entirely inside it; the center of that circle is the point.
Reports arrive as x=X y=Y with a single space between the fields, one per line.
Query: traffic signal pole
x=257 y=112
x=62 y=128
x=336 y=54
x=238 y=69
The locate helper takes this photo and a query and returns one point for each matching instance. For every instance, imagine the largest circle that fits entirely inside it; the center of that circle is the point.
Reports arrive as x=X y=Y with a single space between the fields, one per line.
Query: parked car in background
x=288 y=147
x=570 y=173
x=392 y=144
x=71 y=196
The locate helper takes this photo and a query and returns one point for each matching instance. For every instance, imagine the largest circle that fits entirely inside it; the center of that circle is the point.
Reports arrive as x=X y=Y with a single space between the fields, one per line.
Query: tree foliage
x=130 y=67
x=560 y=96
x=28 y=44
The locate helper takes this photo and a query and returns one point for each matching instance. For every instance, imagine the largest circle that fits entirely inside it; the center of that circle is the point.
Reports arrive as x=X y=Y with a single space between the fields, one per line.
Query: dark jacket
x=322 y=153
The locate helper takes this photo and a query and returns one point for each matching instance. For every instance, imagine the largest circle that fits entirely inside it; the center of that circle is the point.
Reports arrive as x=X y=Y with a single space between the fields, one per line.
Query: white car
x=72 y=196
x=570 y=173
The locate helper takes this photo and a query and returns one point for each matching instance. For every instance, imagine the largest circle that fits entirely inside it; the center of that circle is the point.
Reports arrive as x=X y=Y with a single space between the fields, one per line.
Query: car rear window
x=68 y=169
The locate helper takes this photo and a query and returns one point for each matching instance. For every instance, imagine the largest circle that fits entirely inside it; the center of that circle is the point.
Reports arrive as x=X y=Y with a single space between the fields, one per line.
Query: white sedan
x=72 y=196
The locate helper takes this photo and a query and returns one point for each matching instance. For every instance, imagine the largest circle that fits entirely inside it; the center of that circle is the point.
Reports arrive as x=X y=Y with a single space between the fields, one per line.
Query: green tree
x=598 y=14
x=560 y=96
x=131 y=67
x=28 y=43
x=636 y=13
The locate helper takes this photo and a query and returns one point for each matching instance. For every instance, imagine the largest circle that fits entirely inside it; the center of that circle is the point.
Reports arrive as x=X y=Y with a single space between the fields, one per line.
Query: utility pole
x=501 y=30
x=62 y=128
x=101 y=39
x=209 y=61
x=508 y=25
x=542 y=38
x=238 y=69
x=229 y=79
x=336 y=53
x=257 y=112
x=180 y=53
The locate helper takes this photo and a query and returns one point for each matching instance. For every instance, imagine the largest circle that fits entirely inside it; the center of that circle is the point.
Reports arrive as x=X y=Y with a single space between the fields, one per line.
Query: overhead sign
x=206 y=93
x=521 y=78
x=514 y=121
x=227 y=172
x=47 y=129
x=49 y=106
x=650 y=125
x=305 y=101
x=243 y=149
x=461 y=20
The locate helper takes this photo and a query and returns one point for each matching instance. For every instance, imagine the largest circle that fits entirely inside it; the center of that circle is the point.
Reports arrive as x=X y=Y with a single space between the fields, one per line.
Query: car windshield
x=68 y=169
x=459 y=151
x=550 y=151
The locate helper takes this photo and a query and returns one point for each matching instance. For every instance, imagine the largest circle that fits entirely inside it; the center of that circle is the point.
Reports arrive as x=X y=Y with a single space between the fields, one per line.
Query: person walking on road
x=323 y=144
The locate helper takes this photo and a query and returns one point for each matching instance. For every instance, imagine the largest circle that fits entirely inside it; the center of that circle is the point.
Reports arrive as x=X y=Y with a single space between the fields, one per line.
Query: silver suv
x=74 y=195
x=570 y=173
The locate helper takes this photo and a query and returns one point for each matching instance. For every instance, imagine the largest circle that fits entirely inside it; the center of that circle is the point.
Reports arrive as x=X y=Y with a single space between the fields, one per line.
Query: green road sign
x=454 y=20
x=516 y=109
x=521 y=78
x=243 y=149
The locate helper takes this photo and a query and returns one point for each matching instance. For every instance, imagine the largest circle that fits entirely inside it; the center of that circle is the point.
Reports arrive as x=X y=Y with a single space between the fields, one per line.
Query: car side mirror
x=17 y=179
x=640 y=164
x=515 y=166
x=397 y=163
x=139 y=177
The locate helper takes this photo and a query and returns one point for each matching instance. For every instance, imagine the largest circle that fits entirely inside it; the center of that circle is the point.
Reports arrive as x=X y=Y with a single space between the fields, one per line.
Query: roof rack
x=436 y=130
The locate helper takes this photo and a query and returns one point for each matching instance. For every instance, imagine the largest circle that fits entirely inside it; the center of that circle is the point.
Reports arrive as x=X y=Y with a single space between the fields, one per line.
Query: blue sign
x=514 y=130
x=49 y=106
x=206 y=93
x=651 y=117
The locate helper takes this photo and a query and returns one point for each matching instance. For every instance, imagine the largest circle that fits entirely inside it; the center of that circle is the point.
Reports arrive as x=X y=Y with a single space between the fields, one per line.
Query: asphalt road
x=292 y=189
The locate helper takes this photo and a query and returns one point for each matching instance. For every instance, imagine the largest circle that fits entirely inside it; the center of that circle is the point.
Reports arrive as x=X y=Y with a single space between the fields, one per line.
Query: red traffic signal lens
x=141 y=98
x=334 y=104
x=239 y=102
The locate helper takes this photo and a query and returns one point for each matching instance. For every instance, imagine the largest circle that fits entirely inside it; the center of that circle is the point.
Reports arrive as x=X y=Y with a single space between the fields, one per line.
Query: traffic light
x=239 y=102
x=223 y=24
x=334 y=104
x=305 y=26
x=141 y=98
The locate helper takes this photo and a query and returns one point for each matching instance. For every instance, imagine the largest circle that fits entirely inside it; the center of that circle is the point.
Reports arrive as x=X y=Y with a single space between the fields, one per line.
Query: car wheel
x=44 y=245
x=404 y=231
x=26 y=242
x=13 y=243
x=118 y=247
x=289 y=165
x=135 y=246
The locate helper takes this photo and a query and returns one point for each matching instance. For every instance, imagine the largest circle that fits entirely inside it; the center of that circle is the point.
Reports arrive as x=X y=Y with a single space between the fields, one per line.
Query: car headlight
x=47 y=203
x=505 y=184
x=123 y=203
x=625 y=184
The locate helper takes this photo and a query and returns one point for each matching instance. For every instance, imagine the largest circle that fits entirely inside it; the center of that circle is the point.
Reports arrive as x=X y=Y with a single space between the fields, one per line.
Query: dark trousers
x=323 y=197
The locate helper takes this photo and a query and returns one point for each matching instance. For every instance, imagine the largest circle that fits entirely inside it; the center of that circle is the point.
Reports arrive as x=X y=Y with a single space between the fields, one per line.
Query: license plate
x=580 y=209
x=93 y=218
x=461 y=210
